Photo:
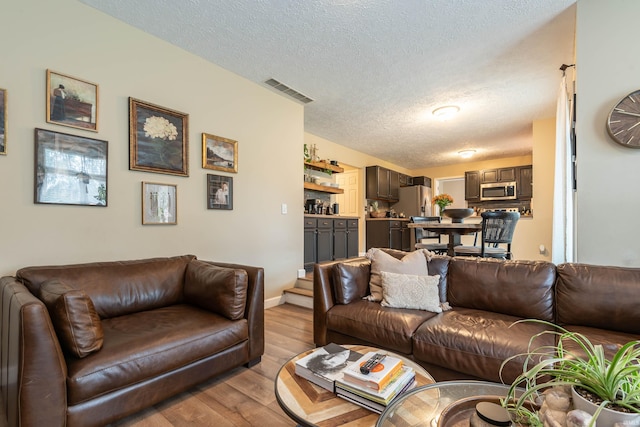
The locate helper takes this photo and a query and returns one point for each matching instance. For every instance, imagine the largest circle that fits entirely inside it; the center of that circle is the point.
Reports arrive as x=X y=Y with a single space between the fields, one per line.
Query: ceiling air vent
x=288 y=91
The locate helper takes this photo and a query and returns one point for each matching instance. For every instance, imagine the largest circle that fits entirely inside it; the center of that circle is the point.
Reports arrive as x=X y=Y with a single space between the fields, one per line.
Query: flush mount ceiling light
x=465 y=154
x=446 y=112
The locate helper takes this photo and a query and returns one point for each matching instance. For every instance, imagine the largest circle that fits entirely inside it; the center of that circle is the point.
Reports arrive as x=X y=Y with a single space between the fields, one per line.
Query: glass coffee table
x=422 y=406
x=310 y=405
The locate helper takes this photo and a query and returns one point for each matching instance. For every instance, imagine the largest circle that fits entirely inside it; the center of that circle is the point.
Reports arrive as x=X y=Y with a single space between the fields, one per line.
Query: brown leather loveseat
x=87 y=344
x=486 y=296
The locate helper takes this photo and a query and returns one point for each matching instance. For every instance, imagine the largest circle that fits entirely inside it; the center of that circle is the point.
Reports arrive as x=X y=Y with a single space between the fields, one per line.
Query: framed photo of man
x=72 y=102
x=219 y=192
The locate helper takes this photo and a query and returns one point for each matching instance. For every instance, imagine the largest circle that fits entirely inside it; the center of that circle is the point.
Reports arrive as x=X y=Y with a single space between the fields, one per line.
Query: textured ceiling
x=377 y=68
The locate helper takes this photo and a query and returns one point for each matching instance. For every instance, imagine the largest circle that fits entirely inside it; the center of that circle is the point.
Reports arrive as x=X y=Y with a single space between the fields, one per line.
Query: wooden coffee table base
x=310 y=405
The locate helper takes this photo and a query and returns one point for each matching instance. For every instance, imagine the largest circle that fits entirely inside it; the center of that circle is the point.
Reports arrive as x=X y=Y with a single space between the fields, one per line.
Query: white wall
x=608 y=174
x=74 y=39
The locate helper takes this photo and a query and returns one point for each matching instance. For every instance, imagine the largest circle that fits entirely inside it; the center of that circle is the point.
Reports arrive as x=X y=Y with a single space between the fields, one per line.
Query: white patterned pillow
x=410 y=291
x=412 y=263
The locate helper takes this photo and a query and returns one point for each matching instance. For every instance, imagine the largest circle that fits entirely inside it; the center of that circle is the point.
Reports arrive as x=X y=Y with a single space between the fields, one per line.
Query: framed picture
x=219 y=192
x=69 y=169
x=3 y=121
x=159 y=203
x=158 y=139
x=219 y=153
x=72 y=102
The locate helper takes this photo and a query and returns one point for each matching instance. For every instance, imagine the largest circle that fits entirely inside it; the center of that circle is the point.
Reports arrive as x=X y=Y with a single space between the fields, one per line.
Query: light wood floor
x=243 y=397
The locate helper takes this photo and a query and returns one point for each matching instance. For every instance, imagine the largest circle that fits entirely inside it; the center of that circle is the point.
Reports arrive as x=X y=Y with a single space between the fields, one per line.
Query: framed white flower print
x=158 y=139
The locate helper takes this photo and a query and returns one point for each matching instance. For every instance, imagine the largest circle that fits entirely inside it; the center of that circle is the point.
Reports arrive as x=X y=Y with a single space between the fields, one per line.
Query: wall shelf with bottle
x=322 y=188
x=323 y=166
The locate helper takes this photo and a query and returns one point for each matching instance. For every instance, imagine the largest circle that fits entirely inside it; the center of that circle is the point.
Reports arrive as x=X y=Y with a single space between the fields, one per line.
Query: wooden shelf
x=323 y=188
x=324 y=166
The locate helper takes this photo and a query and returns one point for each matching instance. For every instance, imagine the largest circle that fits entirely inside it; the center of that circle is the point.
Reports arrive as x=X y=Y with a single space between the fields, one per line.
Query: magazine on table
x=403 y=380
x=326 y=364
x=379 y=376
x=367 y=403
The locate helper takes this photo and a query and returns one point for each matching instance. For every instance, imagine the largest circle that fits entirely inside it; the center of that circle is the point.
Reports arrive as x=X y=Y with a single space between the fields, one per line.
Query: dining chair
x=497 y=229
x=422 y=234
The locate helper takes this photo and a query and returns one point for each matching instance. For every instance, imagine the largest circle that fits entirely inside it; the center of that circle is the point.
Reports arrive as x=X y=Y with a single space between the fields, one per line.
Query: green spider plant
x=616 y=380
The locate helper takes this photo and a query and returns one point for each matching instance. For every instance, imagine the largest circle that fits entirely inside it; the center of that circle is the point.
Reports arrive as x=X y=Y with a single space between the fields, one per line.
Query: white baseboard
x=273 y=302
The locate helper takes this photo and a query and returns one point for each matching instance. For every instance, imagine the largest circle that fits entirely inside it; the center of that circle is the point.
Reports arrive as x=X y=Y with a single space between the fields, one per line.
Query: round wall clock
x=623 y=122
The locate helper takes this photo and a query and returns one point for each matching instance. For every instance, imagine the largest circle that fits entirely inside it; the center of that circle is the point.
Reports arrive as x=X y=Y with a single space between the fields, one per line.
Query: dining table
x=453 y=229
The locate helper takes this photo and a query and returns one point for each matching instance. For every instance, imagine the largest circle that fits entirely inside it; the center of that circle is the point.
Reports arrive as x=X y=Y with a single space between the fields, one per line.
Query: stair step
x=299 y=296
x=304 y=283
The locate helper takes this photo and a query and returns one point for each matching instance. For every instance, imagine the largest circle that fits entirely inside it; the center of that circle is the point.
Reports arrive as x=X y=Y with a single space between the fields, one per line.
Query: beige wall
x=71 y=38
x=608 y=174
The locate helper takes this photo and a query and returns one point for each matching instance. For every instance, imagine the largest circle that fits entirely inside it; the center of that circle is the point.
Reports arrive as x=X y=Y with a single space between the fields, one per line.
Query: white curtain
x=562 y=248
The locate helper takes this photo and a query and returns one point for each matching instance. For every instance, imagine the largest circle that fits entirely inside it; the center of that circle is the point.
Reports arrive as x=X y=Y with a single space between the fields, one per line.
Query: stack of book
x=326 y=364
x=378 y=388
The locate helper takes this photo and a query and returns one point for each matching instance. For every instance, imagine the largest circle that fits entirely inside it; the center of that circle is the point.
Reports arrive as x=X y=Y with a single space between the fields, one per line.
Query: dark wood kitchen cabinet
x=327 y=239
x=472 y=185
x=498 y=175
x=345 y=238
x=382 y=184
x=524 y=188
x=387 y=233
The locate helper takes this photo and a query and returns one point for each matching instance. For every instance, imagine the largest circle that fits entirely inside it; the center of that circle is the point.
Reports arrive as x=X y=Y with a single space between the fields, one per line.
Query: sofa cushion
x=410 y=291
x=476 y=342
x=599 y=297
x=118 y=287
x=218 y=289
x=148 y=344
x=367 y=321
x=351 y=280
x=413 y=263
x=611 y=341
x=517 y=288
x=74 y=317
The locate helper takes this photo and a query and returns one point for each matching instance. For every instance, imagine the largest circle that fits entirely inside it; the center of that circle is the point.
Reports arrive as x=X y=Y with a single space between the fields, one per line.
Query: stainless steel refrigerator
x=414 y=201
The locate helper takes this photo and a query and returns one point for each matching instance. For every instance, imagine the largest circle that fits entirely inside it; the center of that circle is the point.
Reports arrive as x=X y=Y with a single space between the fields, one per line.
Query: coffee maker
x=311 y=206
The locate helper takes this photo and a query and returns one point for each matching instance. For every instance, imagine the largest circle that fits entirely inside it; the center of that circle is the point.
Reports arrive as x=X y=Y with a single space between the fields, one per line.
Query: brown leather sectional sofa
x=471 y=340
x=87 y=344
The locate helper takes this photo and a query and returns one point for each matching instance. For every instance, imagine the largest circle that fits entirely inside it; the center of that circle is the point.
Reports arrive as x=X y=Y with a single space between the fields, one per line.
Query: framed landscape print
x=3 y=121
x=72 y=102
x=69 y=169
x=158 y=139
x=219 y=153
x=159 y=203
x=219 y=192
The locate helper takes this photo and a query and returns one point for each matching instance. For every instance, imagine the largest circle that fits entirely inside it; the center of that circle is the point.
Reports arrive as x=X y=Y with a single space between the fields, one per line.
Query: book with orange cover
x=379 y=376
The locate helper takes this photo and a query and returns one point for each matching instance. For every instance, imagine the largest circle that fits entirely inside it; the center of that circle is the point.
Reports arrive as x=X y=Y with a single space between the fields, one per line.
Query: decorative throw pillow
x=413 y=263
x=351 y=280
x=74 y=317
x=410 y=291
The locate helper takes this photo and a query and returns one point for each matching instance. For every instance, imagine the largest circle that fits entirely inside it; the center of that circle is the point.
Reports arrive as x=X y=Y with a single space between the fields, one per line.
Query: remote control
x=371 y=363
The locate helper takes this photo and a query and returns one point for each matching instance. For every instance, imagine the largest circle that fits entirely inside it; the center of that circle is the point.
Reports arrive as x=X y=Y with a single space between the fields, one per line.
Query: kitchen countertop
x=387 y=219
x=330 y=216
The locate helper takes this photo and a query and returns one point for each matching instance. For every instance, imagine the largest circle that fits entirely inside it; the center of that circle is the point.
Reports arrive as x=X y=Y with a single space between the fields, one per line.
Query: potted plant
x=442 y=200
x=611 y=384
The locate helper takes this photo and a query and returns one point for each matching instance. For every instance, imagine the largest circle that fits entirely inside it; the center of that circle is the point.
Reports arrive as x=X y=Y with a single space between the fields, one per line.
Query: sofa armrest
x=254 y=312
x=33 y=367
x=324 y=298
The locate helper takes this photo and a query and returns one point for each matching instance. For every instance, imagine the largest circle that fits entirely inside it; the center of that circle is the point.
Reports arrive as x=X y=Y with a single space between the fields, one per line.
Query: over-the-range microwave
x=498 y=191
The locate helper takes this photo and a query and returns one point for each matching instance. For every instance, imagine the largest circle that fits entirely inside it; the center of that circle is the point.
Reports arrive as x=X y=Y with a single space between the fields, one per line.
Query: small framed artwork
x=219 y=192
x=3 y=121
x=70 y=169
x=158 y=139
x=72 y=102
x=159 y=203
x=219 y=153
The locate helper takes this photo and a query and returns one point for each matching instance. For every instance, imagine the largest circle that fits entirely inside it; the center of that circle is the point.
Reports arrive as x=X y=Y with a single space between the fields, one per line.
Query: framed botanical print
x=70 y=169
x=158 y=139
x=72 y=102
x=3 y=121
x=219 y=153
x=159 y=203
x=219 y=192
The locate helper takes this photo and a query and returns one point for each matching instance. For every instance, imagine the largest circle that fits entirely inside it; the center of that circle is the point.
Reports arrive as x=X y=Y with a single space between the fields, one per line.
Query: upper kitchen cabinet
x=405 y=180
x=382 y=184
x=498 y=175
x=472 y=185
x=421 y=180
x=525 y=182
